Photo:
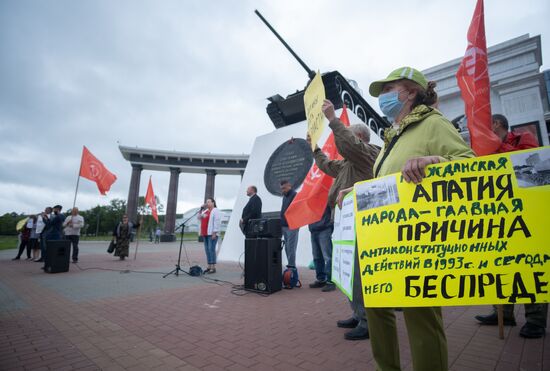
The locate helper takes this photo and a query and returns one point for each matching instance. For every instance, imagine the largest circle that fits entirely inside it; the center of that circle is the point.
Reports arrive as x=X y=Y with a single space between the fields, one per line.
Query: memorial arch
x=210 y=164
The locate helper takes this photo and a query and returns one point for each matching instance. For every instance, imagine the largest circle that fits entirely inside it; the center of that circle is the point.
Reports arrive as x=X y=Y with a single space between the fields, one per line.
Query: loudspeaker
x=262 y=265
x=57 y=256
x=264 y=228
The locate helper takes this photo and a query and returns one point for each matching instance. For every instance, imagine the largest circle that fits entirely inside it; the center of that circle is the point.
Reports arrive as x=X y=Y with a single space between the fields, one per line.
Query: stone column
x=133 y=193
x=210 y=182
x=170 y=220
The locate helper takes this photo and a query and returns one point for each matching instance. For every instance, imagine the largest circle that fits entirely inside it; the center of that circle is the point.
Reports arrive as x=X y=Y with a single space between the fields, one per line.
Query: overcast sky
x=193 y=76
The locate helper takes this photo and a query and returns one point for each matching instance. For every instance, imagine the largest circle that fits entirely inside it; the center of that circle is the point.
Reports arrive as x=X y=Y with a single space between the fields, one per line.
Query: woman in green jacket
x=419 y=136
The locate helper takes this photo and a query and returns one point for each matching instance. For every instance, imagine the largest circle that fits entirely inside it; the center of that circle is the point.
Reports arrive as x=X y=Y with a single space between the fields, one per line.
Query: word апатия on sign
x=472 y=232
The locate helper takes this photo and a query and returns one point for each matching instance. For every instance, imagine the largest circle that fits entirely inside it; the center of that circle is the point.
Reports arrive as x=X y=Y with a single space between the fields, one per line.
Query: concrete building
x=518 y=89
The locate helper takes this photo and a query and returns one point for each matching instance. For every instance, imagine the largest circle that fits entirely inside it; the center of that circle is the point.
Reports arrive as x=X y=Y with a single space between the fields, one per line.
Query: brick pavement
x=119 y=319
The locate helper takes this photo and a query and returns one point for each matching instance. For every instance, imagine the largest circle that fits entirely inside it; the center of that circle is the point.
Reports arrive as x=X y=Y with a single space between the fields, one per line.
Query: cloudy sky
x=193 y=76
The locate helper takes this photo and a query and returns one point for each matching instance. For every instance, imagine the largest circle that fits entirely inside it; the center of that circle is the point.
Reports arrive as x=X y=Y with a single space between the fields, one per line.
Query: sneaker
x=358 y=333
x=329 y=287
x=347 y=323
x=317 y=284
x=75 y=261
x=492 y=320
x=16 y=258
x=531 y=331
x=210 y=271
x=39 y=260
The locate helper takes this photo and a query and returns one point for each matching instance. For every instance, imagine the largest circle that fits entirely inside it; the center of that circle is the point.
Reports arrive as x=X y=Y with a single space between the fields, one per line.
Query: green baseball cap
x=401 y=73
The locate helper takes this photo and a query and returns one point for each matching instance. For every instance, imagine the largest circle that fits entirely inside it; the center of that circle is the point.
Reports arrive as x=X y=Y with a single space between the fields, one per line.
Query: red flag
x=310 y=203
x=93 y=169
x=151 y=200
x=473 y=80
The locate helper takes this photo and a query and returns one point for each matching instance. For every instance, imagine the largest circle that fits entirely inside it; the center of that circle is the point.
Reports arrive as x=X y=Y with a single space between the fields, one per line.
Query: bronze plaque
x=291 y=161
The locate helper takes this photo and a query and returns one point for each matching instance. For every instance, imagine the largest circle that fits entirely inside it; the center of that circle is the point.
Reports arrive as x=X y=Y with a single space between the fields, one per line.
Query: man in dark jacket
x=55 y=224
x=253 y=209
x=358 y=163
x=290 y=235
x=45 y=217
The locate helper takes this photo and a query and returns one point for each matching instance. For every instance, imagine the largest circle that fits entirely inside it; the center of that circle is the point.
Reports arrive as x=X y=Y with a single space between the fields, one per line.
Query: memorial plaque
x=291 y=161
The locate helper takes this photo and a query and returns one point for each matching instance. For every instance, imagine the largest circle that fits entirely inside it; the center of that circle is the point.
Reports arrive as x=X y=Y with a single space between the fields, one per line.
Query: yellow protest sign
x=472 y=232
x=313 y=101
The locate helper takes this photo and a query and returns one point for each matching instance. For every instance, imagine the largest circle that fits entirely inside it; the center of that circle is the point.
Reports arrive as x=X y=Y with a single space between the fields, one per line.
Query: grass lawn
x=8 y=242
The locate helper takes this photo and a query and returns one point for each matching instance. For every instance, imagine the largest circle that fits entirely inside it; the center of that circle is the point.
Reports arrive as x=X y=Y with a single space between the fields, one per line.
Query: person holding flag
x=358 y=155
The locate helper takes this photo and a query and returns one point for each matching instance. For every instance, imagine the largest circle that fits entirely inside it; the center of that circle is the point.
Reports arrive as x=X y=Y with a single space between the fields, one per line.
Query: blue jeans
x=210 y=249
x=291 y=242
x=321 y=249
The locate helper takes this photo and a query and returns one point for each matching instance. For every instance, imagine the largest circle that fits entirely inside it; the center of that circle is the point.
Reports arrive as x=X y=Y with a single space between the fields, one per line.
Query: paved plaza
x=106 y=314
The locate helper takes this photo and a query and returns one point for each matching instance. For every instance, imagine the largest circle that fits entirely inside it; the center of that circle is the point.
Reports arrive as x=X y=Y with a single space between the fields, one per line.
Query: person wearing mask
x=419 y=136
x=290 y=235
x=73 y=224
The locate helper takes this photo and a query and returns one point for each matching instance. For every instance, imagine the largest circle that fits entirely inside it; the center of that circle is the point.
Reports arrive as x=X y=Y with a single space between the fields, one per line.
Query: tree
x=8 y=222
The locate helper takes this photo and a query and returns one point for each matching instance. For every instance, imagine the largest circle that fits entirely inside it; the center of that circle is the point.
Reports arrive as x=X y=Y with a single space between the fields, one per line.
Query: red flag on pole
x=93 y=169
x=310 y=203
x=151 y=200
x=473 y=80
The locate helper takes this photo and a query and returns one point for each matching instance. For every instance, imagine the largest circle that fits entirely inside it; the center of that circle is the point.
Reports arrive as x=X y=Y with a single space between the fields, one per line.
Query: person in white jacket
x=212 y=233
x=72 y=225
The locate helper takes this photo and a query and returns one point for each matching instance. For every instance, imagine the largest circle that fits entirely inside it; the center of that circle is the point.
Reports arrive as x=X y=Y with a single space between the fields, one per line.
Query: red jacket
x=516 y=142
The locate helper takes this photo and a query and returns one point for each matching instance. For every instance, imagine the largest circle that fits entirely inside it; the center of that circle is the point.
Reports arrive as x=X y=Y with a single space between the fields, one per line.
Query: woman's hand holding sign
x=414 y=169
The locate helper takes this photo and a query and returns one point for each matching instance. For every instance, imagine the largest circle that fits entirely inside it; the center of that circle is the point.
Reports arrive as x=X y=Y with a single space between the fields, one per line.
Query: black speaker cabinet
x=262 y=265
x=264 y=227
x=57 y=256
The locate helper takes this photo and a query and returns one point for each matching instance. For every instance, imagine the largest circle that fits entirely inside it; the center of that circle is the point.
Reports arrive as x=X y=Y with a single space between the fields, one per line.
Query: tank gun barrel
x=310 y=73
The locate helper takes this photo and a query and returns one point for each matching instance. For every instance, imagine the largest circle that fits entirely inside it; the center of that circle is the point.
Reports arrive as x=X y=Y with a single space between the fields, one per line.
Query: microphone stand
x=178 y=266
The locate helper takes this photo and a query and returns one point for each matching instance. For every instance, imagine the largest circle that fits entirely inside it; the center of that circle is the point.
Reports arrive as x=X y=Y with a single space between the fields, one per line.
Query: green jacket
x=423 y=132
x=357 y=164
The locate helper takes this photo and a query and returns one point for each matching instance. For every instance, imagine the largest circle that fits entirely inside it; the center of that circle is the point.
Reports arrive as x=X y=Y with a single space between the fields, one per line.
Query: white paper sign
x=343 y=246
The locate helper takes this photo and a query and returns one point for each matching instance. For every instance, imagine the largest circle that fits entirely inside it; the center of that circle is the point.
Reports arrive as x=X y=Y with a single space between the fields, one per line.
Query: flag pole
x=138 y=236
x=78 y=179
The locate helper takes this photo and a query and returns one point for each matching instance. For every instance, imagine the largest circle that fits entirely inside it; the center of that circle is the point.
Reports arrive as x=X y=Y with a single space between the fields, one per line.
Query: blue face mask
x=390 y=104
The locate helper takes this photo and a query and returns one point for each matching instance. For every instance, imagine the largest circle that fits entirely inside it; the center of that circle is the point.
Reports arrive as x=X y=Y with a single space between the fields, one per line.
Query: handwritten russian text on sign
x=343 y=246
x=313 y=102
x=472 y=232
